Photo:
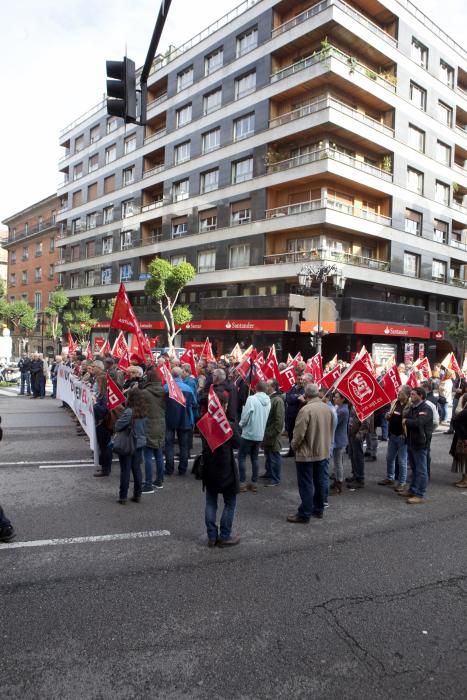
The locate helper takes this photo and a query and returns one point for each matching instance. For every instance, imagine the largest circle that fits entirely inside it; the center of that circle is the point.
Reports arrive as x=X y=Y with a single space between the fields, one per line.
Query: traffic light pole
x=156 y=35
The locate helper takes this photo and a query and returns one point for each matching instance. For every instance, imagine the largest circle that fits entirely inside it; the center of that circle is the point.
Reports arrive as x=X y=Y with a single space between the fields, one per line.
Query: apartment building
x=287 y=133
x=32 y=255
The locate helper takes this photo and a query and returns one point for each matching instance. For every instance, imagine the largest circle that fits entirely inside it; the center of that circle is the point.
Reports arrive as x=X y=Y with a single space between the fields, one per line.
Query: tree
x=57 y=302
x=458 y=332
x=164 y=285
x=21 y=316
x=109 y=307
x=79 y=320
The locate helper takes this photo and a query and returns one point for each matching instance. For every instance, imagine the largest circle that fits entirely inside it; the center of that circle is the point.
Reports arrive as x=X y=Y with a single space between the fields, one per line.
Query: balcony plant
x=325 y=50
x=387 y=163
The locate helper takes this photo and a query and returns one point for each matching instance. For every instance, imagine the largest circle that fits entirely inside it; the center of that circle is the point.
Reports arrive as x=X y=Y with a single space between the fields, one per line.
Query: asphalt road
x=370 y=602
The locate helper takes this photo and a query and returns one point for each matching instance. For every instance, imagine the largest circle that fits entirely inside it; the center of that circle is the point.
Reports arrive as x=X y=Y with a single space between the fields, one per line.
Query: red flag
x=298 y=358
x=124 y=317
x=244 y=367
x=105 y=348
x=455 y=366
x=327 y=380
x=315 y=367
x=214 y=425
x=188 y=358
x=368 y=362
x=175 y=392
x=424 y=367
x=207 y=353
x=412 y=380
x=72 y=346
x=114 y=396
x=360 y=387
x=124 y=361
x=289 y=359
x=260 y=359
x=271 y=367
x=287 y=379
x=120 y=347
x=258 y=375
x=391 y=382
x=89 y=355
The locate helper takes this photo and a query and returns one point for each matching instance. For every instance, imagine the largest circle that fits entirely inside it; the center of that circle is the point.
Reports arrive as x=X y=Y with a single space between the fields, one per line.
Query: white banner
x=78 y=396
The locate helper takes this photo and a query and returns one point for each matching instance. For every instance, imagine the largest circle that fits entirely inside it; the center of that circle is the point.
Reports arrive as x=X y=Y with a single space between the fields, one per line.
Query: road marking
x=50 y=461
x=65 y=466
x=85 y=540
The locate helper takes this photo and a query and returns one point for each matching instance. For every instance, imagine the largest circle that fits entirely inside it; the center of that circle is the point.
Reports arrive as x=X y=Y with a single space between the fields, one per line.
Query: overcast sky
x=53 y=69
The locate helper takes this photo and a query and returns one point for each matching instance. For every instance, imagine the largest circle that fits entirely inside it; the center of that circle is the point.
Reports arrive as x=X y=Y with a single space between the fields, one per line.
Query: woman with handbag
x=459 y=444
x=130 y=438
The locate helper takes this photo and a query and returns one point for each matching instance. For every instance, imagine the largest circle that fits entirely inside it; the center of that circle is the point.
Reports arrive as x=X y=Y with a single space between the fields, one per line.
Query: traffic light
x=121 y=89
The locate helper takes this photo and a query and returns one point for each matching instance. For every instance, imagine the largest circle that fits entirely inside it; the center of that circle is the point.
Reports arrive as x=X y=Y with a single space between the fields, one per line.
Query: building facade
x=32 y=255
x=288 y=133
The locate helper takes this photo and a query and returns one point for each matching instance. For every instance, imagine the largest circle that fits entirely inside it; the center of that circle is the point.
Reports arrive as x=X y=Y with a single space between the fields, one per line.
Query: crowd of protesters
x=322 y=428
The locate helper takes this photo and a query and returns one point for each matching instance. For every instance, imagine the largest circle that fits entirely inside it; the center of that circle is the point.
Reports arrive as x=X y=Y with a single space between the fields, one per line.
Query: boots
x=336 y=488
x=462 y=484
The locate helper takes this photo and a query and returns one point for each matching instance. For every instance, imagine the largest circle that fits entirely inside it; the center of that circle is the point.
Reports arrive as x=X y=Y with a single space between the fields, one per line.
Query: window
x=76 y=226
x=212 y=101
x=208 y=220
x=38 y=248
x=40 y=221
x=211 y=140
x=177 y=259
x=92 y=192
x=90 y=249
x=442 y=192
x=182 y=152
x=213 y=61
x=89 y=278
x=418 y=96
x=79 y=143
x=38 y=274
x=25 y=254
x=106 y=275
x=445 y=113
x=446 y=73
x=128 y=208
x=51 y=245
x=128 y=175
x=413 y=222
x=412 y=264
x=242 y=170
x=93 y=163
x=415 y=180
x=13 y=233
x=416 y=138
x=183 y=115
x=13 y=257
x=245 y=85
x=181 y=190
x=419 y=53
x=209 y=180
x=126 y=240
x=13 y=279
x=94 y=134
x=240 y=213
x=26 y=228
x=112 y=125
x=109 y=184
x=130 y=144
x=244 y=126
x=24 y=277
x=443 y=153
x=440 y=231
x=126 y=272
x=110 y=154
x=438 y=271
x=78 y=171
x=207 y=261
x=108 y=216
x=37 y=301
x=51 y=271
x=91 y=220
x=239 y=256
x=185 y=78
x=74 y=281
x=247 y=41
x=54 y=216
x=179 y=227
x=107 y=245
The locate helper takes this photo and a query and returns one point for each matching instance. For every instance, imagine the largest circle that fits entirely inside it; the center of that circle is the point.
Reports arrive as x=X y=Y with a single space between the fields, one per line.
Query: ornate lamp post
x=309 y=275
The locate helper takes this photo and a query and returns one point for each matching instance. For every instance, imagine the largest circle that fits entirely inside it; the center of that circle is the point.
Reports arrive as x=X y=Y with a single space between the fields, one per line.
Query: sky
x=53 y=55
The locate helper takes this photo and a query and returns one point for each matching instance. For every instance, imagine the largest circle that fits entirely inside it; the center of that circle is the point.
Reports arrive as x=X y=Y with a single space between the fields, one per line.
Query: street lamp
x=310 y=274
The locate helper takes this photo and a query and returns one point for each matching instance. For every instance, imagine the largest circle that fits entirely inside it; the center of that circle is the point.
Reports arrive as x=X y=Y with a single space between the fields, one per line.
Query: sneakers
x=231 y=542
x=271 y=483
x=386 y=482
x=462 y=484
x=297 y=519
x=7 y=534
x=253 y=488
x=414 y=500
x=243 y=488
x=158 y=484
x=147 y=489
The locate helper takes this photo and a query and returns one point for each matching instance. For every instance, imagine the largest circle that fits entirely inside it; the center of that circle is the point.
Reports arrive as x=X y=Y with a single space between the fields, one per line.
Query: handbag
x=124 y=442
x=461 y=447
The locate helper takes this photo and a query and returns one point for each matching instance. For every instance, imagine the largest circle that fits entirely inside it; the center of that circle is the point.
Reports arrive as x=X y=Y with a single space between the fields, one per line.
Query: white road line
x=65 y=466
x=50 y=461
x=85 y=540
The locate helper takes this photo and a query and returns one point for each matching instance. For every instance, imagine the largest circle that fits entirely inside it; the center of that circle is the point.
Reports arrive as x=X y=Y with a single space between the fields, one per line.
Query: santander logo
x=389 y=330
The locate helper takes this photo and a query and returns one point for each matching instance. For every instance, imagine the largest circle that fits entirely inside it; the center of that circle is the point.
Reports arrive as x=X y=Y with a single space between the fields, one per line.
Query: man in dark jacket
x=419 y=426
x=155 y=431
x=272 y=435
x=37 y=375
x=24 y=366
x=358 y=431
x=179 y=421
x=294 y=400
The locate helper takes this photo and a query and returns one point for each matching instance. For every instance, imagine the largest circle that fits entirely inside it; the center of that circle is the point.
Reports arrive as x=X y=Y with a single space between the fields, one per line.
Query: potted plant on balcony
x=387 y=163
x=325 y=51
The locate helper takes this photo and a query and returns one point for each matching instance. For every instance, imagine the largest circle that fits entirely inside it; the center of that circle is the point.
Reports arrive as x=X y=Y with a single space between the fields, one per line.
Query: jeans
x=443 y=411
x=312 y=480
x=25 y=382
x=183 y=437
x=372 y=444
x=226 y=518
x=248 y=447
x=158 y=454
x=272 y=465
x=397 y=448
x=130 y=464
x=418 y=462
x=338 y=458
x=384 y=428
x=357 y=458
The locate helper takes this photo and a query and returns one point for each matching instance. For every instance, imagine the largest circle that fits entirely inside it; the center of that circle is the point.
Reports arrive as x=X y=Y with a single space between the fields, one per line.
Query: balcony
x=324 y=203
x=325 y=153
x=327 y=254
x=153 y=171
x=157 y=100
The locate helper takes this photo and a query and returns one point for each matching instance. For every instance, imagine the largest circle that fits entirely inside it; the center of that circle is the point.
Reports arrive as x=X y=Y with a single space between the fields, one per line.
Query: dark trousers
x=357 y=458
x=312 y=480
x=25 y=382
x=130 y=464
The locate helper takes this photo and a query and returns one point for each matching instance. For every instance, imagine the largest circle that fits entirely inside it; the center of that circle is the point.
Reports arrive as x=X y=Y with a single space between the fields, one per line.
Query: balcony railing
x=317 y=204
x=325 y=153
x=320 y=254
x=457 y=244
x=157 y=134
x=156 y=169
x=157 y=100
x=330 y=102
x=145 y=242
x=333 y=52
x=32 y=230
x=154 y=205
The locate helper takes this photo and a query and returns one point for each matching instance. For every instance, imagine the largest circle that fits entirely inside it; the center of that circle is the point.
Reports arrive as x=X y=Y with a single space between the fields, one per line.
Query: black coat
x=220 y=471
x=459 y=422
x=419 y=426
